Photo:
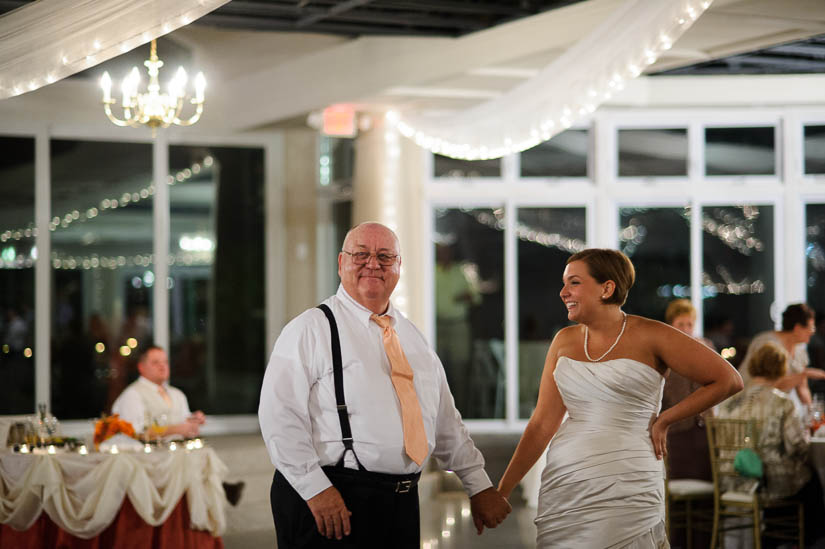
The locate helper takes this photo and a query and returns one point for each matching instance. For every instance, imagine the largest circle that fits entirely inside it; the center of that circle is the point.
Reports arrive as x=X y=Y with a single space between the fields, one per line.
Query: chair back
x=726 y=437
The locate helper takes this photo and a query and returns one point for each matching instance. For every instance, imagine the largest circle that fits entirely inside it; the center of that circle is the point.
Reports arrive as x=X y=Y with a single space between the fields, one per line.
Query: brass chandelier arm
x=192 y=119
x=107 y=107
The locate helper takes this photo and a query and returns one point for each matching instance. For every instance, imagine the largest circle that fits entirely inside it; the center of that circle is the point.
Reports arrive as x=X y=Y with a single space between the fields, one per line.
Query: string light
x=526 y=233
x=89 y=262
x=560 y=94
x=93 y=211
x=730 y=286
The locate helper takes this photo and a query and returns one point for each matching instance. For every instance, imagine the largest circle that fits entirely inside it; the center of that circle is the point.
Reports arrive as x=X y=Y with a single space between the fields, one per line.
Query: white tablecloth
x=83 y=494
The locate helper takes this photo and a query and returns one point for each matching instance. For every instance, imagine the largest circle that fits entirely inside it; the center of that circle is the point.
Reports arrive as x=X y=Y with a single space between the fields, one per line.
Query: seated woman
x=783 y=439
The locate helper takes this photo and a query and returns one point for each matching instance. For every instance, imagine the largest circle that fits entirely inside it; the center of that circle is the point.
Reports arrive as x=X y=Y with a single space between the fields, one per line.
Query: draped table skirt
x=161 y=499
x=128 y=531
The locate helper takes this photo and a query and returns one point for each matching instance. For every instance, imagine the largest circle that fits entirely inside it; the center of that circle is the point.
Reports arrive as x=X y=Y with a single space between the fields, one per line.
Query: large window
x=815 y=256
x=657 y=240
x=469 y=305
x=216 y=301
x=692 y=198
x=565 y=155
x=740 y=151
x=444 y=166
x=737 y=274
x=546 y=238
x=17 y=257
x=102 y=271
x=653 y=152
x=814 y=149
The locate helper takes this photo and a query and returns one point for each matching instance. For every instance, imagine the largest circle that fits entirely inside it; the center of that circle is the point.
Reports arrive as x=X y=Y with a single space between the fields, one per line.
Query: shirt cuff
x=311 y=484
x=475 y=482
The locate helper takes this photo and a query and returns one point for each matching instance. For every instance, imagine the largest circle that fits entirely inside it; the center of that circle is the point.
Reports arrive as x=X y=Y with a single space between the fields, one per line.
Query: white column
x=301 y=196
x=42 y=270
x=274 y=244
x=161 y=221
x=388 y=188
x=792 y=227
x=603 y=170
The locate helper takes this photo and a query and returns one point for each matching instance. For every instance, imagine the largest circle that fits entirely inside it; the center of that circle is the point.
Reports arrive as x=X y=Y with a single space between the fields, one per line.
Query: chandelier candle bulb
x=106 y=85
x=200 y=87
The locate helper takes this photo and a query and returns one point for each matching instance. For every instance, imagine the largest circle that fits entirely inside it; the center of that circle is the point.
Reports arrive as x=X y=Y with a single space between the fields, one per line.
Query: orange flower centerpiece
x=108 y=426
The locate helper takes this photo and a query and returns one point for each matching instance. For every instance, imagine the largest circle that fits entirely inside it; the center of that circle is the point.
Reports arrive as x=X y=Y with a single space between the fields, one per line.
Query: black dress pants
x=382 y=517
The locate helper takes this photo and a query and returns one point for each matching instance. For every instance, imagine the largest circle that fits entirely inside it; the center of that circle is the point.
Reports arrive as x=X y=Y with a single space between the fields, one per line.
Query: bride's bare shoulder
x=568 y=333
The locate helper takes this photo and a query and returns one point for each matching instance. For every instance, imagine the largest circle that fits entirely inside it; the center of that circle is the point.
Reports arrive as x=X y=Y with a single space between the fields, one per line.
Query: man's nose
x=372 y=262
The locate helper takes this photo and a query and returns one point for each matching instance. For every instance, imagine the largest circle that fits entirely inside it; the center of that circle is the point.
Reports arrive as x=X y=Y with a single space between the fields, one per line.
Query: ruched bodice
x=602 y=486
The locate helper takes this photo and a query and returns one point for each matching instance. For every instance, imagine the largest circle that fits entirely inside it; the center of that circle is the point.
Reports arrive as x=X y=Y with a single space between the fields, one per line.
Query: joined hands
x=489 y=508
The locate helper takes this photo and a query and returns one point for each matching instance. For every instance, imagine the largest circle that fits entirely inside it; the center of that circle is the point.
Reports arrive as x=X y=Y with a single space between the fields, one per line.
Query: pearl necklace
x=607 y=352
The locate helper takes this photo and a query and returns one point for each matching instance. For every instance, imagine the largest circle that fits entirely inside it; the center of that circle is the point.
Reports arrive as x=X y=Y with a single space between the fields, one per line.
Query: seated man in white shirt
x=150 y=400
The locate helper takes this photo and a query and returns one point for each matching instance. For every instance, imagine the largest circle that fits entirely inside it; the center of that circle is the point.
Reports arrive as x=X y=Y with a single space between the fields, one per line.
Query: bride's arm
x=695 y=361
x=540 y=429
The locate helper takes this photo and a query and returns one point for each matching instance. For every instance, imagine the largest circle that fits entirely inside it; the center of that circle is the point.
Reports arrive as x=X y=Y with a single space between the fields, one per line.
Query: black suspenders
x=338 y=376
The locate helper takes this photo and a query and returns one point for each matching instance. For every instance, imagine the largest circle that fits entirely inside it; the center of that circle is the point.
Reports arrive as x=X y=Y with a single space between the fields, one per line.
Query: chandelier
x=153 y=108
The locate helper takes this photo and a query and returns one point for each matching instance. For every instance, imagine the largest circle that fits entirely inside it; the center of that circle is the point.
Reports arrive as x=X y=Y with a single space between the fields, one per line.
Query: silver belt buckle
x=403 y=486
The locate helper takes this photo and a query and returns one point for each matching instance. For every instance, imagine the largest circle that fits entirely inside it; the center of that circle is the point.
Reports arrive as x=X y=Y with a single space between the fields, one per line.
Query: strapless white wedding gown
x=602 y=486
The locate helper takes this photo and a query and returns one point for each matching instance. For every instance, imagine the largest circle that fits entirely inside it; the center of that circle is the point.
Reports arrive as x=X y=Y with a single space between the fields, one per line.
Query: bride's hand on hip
x=658 y=435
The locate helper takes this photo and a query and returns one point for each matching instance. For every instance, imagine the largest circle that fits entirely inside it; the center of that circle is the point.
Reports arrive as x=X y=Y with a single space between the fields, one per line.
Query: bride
x=603 y=485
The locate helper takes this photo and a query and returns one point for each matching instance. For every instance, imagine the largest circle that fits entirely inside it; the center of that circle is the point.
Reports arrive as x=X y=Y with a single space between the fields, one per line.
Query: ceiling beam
x=282 y=24
x=411 y=20
x=448 y=6
x=8 y=5
x=811 y=50
x=767 y=60
x=339 y=8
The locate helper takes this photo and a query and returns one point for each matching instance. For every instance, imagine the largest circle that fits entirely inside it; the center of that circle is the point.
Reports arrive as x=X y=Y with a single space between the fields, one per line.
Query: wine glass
x=158 y=426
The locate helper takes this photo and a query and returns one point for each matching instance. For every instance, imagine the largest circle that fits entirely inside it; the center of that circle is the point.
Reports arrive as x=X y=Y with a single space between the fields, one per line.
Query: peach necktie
x=165 y=394
x=415 y=437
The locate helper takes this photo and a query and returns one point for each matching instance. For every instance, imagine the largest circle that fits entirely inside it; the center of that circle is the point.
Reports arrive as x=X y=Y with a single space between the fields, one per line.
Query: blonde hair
x=769 y=361
x=678 y=308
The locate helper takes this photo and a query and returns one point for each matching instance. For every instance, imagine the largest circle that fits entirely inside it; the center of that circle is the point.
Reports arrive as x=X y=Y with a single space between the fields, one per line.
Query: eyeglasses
x=362 y=258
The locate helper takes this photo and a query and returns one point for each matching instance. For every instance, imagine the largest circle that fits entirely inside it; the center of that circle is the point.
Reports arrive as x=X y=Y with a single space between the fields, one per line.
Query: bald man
x=349 y=451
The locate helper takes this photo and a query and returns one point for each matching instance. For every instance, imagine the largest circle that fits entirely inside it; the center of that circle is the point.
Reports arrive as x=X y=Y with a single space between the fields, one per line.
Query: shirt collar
x=142 y=379
x=362 y=313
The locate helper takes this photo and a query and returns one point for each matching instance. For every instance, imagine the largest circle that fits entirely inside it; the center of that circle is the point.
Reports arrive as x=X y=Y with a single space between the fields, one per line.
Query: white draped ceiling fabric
x=48 y=40
x=565 y=91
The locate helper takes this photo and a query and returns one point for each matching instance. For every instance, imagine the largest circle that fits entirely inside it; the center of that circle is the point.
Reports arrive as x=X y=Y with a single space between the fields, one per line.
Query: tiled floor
x=445 y=524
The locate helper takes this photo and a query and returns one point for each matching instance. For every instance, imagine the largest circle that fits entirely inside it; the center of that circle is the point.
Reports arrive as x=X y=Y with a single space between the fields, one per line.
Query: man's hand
x=489 y=508
x=187 y=429
x=197 y=417
x=331 y=513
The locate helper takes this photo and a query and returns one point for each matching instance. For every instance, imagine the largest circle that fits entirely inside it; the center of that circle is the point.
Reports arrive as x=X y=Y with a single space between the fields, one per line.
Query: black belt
x=400 y=484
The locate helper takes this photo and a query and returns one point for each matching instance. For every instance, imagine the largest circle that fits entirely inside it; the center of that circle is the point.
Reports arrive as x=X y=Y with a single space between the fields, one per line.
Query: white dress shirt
x=298 y=413
x=142 y=401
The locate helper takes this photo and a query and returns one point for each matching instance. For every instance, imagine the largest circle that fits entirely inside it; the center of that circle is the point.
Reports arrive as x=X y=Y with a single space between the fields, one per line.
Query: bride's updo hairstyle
x=604 y=265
